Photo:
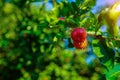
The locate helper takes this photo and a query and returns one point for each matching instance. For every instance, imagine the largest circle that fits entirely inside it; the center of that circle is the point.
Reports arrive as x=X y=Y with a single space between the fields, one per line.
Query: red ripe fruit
x=61 y=18
x=80 y=45
x=79 y=34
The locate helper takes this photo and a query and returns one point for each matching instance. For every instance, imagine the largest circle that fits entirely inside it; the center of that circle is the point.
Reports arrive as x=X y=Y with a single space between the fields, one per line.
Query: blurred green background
x=35 y=41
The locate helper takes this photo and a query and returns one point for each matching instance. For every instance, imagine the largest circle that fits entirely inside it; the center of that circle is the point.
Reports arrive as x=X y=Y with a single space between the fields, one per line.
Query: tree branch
x=103 y=37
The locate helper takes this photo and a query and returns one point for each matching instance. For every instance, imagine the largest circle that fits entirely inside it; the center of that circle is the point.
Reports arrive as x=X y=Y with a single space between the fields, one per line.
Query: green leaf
x=104 y=53
x=114 y=73
x=75 y=6
x=79 y=1
x=96 y=48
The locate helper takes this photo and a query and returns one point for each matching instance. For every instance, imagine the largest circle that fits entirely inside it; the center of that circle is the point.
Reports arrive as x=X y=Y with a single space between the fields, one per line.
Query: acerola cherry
x=78 y=34
x=80 y=45
x=61 y=18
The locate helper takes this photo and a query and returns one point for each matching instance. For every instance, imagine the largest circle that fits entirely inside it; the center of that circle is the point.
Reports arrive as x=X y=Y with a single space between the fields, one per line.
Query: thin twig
x=104 y=37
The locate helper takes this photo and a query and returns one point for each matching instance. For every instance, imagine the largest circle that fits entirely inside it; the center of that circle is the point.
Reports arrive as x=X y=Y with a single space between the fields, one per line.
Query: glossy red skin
x=61 y=18
x=80 y=45
x=78 y=34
